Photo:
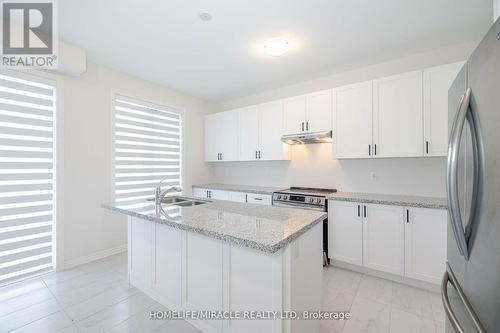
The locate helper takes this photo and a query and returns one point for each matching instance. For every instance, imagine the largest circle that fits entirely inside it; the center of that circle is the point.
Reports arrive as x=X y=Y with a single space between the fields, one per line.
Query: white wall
x=496 y=10
x=312 y=165
x=89 y=231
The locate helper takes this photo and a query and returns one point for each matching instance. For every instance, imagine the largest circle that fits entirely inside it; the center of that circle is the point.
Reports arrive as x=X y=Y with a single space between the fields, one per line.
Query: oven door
x=277 y=203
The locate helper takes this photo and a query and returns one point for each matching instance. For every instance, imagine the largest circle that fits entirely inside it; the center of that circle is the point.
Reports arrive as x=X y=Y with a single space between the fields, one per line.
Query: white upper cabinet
x=295 y=114
x=308 y=113
x=260 y=130
x=404 y=115
x=425 y=244
x=437 y=81
x=229 y=136
x=383 y=238
x=352 y=136
x=319 y=111
x=211 y=127
x=248 y=134
x=221 y=136
x=398 y=116
x=271 y=128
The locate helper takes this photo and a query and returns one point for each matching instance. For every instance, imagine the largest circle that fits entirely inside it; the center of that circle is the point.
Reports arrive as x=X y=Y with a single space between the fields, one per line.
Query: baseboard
x=396 y=278
x=94 y=256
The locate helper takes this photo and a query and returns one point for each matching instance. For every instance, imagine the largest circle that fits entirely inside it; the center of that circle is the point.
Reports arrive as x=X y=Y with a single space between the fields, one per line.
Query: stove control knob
x=279 y=196
x=311 y=200
x=285 y=197
x=318 y=200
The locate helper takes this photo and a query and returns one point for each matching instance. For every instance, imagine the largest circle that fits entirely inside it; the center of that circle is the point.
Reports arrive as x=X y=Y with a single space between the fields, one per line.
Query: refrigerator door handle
x=465 y=113
x=450 y=277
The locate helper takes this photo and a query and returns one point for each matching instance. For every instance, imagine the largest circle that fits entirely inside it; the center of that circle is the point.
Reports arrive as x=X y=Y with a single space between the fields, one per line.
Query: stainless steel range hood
x=307 y=138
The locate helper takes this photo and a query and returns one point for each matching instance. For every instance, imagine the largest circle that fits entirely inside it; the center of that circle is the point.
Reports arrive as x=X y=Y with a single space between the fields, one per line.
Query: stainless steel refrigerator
x=471 y=285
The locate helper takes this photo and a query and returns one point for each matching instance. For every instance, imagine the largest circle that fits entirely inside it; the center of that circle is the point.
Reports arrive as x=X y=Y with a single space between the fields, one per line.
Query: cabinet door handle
x=375 y=149
x=407 y=216
x=259 y=154
x=364 y=211
x=359 y=211
x=427 y=147
x=221 y=156
x=302 y=126
x=307 y=125
x=258 y=199
x=256 y=154
x=369 y=150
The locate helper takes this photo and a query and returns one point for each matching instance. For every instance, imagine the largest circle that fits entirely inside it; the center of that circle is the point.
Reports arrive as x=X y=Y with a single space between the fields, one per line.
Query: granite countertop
x=241 y=188
x=389 y=199
x=264 y=228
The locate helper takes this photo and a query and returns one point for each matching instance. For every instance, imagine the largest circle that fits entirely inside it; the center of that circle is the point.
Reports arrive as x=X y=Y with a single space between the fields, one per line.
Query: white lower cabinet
x=167 y=275
x=200 y=192
x=237 y=196
x=210 y=194
x=204 y=259
x=383 y=238
x=140 y=250
x=345 y=232
x=260 y=199
x=409 y=242
x=425 y=244
x=219 y=195
x=184 y=271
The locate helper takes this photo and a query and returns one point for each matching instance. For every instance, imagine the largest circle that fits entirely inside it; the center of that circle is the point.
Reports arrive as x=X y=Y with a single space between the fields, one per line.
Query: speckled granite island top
x=240 y=188
x=265 y=228
x=389 y=199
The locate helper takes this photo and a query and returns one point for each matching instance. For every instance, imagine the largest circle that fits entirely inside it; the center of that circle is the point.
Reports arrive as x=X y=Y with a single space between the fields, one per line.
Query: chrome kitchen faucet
x=159 y=195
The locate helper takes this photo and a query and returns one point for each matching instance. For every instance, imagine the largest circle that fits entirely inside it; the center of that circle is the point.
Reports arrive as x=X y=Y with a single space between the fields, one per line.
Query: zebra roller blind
x=147 y=149
x=27 y=175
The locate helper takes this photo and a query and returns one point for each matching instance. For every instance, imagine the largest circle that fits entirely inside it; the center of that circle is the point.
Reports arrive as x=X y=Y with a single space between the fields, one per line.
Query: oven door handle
x=298 y=205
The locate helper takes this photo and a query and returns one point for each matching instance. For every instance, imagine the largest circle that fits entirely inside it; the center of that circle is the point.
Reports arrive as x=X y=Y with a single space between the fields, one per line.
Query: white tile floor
x=97 y=298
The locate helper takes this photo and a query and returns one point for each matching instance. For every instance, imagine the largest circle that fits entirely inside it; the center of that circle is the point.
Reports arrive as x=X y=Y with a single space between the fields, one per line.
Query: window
x=147 y=149
x=27 y=175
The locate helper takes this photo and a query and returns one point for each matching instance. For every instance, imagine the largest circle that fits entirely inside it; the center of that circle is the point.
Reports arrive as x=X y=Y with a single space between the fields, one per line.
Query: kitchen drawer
x=238 y=196
x=261 y=199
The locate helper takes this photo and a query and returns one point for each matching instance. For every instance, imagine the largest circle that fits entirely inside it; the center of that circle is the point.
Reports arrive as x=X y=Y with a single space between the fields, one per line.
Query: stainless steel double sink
x=181 y=201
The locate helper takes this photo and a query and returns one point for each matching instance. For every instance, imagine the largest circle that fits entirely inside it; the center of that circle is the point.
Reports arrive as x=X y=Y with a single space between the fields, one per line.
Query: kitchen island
x=236 y=259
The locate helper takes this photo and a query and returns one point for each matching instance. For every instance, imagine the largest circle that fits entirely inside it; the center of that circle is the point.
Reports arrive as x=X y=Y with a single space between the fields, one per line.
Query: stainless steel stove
x=303 y=197
x=307 y=198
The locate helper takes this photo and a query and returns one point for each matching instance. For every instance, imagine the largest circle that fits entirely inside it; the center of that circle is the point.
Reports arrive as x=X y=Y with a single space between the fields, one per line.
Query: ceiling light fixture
x=277 y=46
x=205 y=16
